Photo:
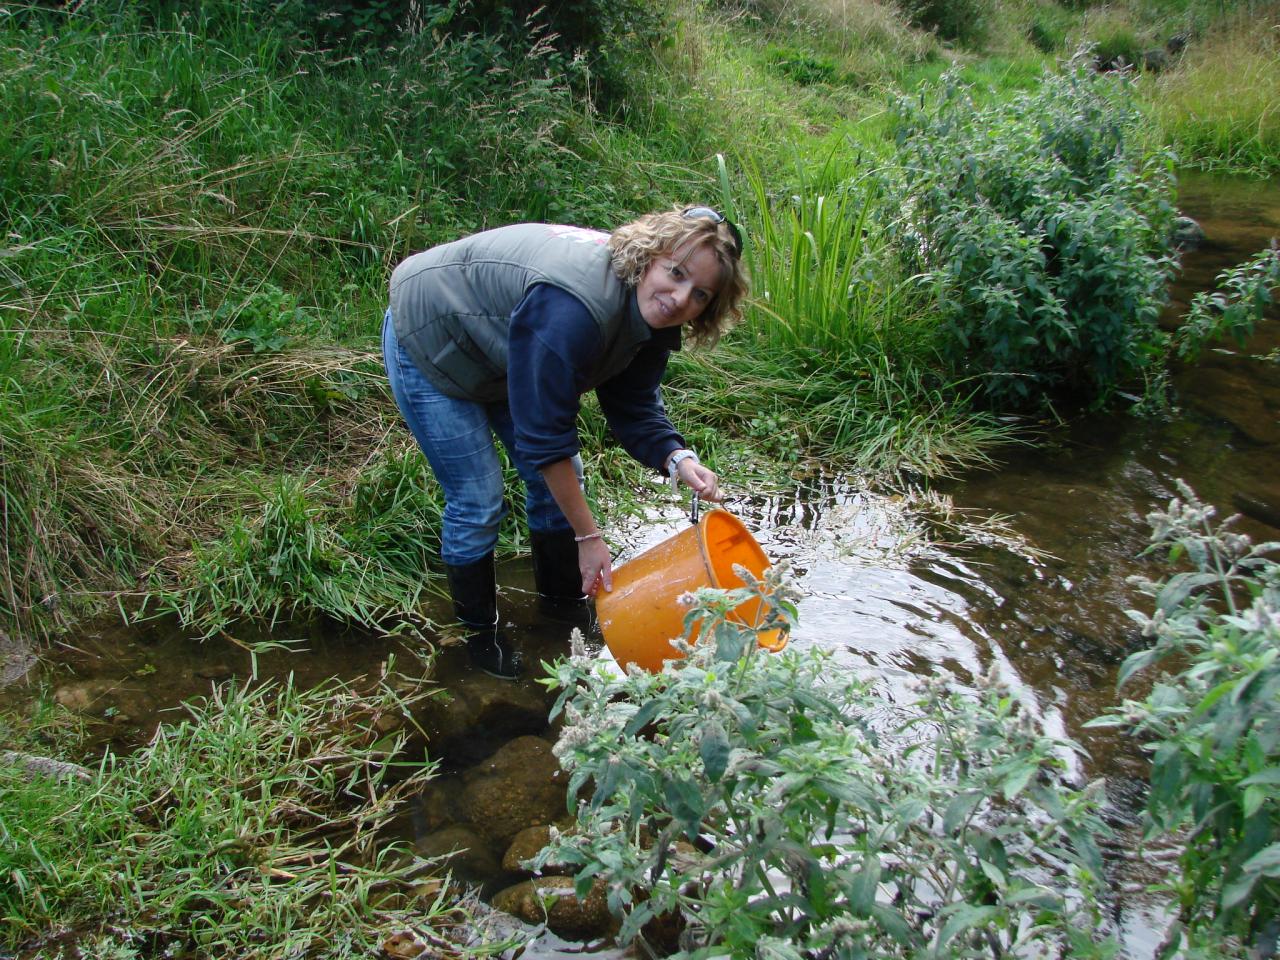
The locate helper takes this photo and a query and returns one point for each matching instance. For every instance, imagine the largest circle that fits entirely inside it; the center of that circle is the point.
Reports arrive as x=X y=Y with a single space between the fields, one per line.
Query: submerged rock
x=16 y=659
x=1187 y=234
x=461 y=851
x=476 y=712
x=520 y=786
x=528 y=843
x=85 y=695
x=551 y=900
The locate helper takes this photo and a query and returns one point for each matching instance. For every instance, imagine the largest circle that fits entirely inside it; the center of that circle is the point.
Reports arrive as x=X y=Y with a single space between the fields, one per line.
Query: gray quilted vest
x=452 y=304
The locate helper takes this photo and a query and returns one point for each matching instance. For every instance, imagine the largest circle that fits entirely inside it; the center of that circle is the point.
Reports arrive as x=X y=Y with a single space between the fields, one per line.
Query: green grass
x=252 y=827
x=1218 y=107
x=201 y=213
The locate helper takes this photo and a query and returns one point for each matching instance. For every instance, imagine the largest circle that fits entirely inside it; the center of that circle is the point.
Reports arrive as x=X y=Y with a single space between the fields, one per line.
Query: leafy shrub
x=1243 y=294
x=1212 y=725
x=1045 y=231
x=752 y=795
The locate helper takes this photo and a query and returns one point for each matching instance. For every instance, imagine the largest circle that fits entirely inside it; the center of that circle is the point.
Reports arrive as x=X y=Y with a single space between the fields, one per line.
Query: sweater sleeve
x=553 y=341
x=632 y=403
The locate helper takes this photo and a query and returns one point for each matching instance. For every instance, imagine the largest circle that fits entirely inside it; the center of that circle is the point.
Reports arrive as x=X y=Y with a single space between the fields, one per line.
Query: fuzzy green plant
x=1044 y=226
x=1234 y=308
x=753 y=796
x=252 y=827
x=1211 y=723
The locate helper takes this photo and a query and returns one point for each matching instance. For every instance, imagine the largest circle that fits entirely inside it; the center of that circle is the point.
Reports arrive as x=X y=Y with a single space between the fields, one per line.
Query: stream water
x=1041 y=598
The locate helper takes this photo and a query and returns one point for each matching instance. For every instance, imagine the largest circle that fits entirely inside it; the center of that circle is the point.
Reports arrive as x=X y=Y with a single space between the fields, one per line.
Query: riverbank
x=193 y=418
x=173 y=433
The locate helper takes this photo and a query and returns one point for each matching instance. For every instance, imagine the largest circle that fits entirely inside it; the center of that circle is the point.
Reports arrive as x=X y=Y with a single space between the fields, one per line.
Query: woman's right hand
x=595 y=565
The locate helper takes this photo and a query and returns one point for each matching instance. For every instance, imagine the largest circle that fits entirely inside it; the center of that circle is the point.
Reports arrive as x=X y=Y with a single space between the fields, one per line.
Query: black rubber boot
x=556 y=574
x=473 y=587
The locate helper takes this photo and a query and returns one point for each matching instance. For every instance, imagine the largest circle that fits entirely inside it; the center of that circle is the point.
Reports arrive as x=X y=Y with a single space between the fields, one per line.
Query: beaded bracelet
x=590 y=536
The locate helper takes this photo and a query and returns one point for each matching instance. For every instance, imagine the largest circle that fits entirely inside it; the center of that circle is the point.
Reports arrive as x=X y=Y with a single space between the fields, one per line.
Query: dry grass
x=1220 y=104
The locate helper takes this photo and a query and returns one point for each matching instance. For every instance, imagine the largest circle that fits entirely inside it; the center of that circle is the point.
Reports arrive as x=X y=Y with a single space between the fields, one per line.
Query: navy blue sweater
x=553 y=343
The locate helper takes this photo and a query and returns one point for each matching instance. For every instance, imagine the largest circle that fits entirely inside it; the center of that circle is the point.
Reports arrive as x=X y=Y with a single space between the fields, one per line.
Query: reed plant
x=253 y=826
x=836 y=342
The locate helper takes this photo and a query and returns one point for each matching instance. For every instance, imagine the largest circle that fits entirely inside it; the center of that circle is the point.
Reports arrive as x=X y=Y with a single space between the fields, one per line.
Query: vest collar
x=667 y=338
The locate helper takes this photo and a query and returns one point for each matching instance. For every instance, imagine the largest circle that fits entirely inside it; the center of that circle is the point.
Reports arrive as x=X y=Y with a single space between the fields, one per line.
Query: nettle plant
x=782 y=807
x=1212 y=725
x=1044 y=229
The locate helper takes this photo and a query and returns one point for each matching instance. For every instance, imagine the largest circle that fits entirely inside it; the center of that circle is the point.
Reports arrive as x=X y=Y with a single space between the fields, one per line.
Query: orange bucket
x=640 y=616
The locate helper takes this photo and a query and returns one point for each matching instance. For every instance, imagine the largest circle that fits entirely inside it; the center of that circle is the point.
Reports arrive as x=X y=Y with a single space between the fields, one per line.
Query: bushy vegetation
x=1045 y=230
x=1212 y=724
x=201 y=206
x=782 y=808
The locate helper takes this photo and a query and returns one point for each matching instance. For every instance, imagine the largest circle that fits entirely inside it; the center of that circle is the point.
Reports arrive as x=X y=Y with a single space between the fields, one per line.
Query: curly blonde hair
x=635 y=245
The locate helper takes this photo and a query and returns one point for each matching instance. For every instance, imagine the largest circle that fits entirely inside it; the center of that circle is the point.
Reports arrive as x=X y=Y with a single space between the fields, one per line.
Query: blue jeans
x=457 y=438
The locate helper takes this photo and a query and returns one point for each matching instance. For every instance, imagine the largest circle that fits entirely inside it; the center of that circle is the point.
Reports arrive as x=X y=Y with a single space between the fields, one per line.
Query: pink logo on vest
x=579 y=234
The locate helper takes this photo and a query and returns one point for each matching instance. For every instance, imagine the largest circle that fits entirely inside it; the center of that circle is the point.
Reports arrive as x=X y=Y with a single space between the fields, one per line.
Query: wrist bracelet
x=589 y=536
x=674 y=463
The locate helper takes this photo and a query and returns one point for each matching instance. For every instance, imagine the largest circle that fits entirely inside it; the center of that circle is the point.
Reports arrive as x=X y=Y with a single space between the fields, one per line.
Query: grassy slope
x=200 y=221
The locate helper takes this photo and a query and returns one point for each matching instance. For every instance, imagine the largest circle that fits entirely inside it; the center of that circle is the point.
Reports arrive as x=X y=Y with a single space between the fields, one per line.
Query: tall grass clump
x=966 y=22
x=1043 y=226
x=836 y=343
x=297 y=558
x=253 y=827
x=1217 y=107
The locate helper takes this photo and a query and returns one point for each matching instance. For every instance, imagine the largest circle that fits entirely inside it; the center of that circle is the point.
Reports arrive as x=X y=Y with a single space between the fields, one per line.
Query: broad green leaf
x=1263 y=861
x=862 y=891
x=606 y=783
x=1214 y=695
x=1253 y=799
x=1016 y=781
x=713 y=747
x=965 y=917
x=642 y=717
x=1134 y=663
x=892 y=923
x=994 y=874
x=684 y=801
x=1235 y=893
x=959 y=809
x=1271 y=775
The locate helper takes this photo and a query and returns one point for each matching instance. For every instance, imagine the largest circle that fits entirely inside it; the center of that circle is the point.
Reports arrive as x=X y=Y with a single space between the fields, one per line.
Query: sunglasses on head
x=715 y=216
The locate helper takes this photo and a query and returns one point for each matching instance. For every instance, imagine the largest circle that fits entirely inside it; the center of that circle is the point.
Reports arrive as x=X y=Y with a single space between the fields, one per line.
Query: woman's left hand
x=699 y=478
